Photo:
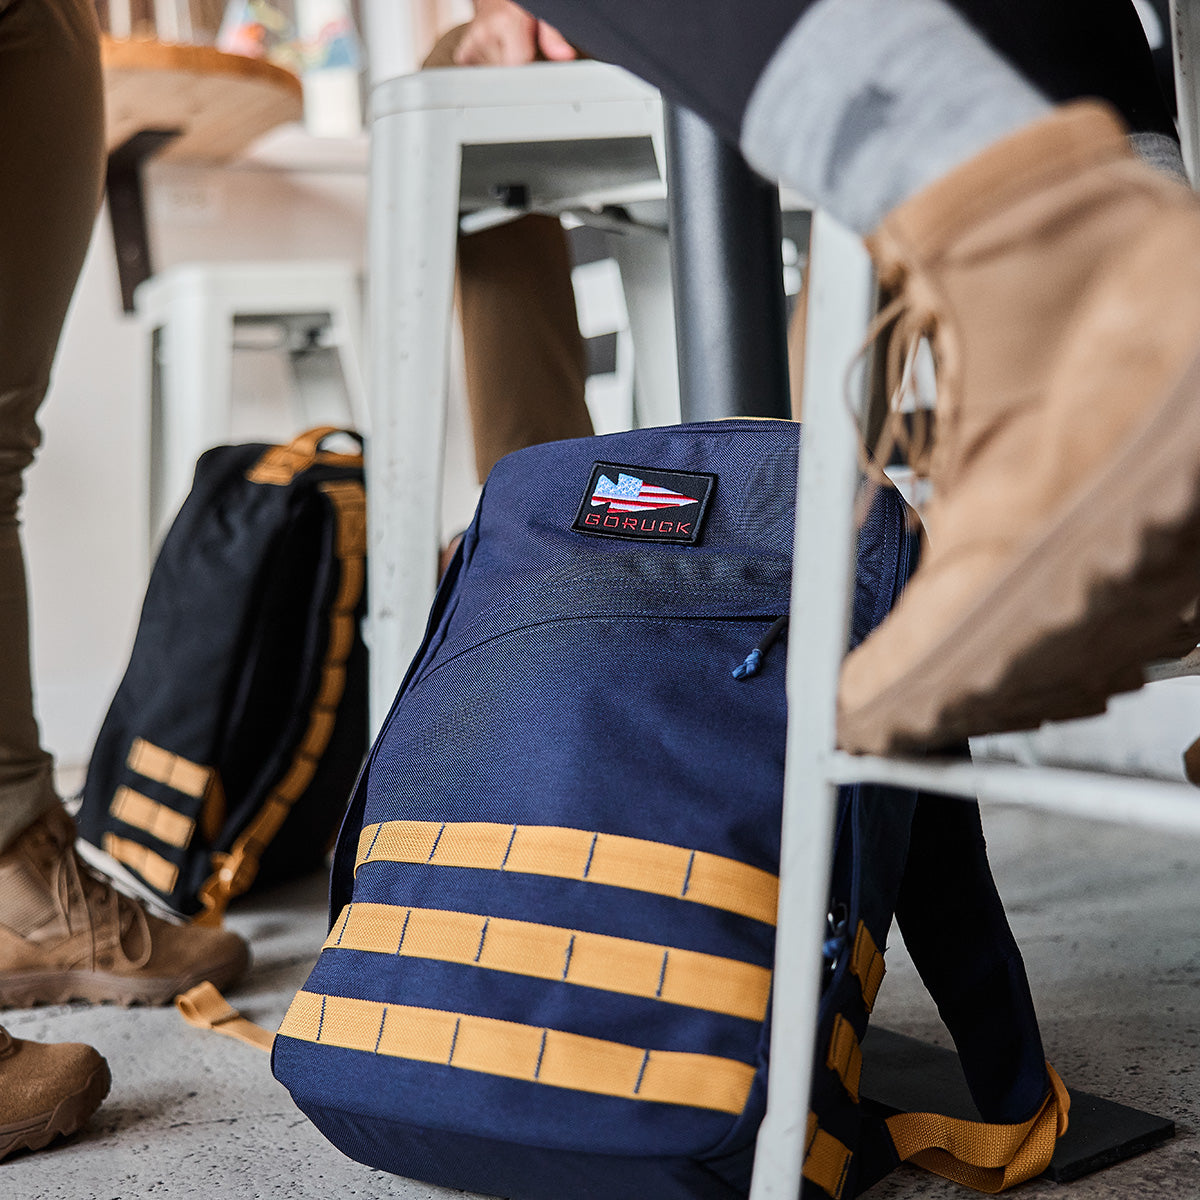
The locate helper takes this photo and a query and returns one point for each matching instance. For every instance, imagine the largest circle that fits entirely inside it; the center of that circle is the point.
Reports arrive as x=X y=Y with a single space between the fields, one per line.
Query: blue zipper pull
x=753 y=661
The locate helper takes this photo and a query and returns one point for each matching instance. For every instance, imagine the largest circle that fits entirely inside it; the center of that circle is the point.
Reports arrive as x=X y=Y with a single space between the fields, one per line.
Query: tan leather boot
x=66 y=934
x=46 y=1091
x=1058 y=280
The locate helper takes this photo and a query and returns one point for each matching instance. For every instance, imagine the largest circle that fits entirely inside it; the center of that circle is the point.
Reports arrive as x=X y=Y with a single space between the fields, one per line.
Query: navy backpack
x=554 y=895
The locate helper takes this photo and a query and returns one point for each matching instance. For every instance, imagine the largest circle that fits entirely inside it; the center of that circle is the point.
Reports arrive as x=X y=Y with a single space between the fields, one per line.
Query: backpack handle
x=281 y=464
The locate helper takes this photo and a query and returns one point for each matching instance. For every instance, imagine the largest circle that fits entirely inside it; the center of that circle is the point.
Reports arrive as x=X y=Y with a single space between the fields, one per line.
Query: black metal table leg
x=127 y=207
x=727 y=273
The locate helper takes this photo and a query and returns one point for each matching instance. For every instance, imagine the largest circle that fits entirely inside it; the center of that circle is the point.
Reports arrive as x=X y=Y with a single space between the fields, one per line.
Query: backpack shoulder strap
x=956 y=931
x=235 y=870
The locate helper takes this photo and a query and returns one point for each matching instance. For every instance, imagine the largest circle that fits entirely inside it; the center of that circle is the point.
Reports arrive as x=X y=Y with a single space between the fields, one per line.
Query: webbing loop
x=983 y=1156
x=826 y=1160
x=205 y=1008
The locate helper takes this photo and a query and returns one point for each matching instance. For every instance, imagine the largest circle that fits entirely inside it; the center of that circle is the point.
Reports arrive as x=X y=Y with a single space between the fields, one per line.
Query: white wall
x=85 y=511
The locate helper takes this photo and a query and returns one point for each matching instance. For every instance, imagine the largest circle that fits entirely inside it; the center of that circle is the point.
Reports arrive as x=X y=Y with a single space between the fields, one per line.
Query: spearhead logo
x=631 y=494
x=637 y=504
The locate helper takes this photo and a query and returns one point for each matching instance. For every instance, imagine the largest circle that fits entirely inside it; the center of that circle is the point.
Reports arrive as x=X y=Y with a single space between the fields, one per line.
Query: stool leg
x=841 y=303
x=319 y=379
x=192 y=409
x=346 y=332
x=1185 y=42
x=413 y=224
x=644 y=258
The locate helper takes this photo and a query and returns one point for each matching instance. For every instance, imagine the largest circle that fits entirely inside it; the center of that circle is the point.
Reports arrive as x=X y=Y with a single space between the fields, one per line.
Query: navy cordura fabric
x=587 y=682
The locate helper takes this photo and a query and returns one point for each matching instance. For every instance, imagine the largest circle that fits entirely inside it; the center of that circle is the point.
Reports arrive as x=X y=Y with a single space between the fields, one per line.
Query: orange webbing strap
x=533 y=1053
x=206 y=1008
x=574 y=956
x=281 y=464
x=866 y=964
x=826 y=1160
x=988 y=1158
x=237 y=869
x=845 y=1055
x=603 y=859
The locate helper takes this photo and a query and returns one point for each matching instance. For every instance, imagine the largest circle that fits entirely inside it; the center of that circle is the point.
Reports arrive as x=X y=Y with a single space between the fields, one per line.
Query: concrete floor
x=1109 y=920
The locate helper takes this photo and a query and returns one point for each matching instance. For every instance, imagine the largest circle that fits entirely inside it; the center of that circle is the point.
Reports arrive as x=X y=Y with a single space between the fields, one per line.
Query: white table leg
x=841 y=300
x=413 y=218
x=643 y=257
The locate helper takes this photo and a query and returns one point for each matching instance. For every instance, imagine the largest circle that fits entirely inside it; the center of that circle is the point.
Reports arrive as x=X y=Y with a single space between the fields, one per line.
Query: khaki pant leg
x=525 y=360
x=51 y=167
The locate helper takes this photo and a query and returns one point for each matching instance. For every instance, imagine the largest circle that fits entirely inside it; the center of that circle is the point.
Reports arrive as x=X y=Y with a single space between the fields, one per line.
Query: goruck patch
x=644 y=503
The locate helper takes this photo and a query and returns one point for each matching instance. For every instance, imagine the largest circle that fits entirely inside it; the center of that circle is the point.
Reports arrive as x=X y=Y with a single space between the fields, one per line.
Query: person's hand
x=501 y=34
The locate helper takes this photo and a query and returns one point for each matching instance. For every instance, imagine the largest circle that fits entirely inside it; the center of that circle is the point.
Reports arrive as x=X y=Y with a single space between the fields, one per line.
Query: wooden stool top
x=219 y=102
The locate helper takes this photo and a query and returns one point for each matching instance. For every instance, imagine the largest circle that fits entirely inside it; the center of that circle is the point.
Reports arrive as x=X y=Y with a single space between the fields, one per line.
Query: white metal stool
x=190 y=314
x=842 y=300
x=551 y=137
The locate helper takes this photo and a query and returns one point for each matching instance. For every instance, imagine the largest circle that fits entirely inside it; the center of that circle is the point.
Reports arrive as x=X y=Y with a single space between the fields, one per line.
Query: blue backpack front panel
x=548 y=971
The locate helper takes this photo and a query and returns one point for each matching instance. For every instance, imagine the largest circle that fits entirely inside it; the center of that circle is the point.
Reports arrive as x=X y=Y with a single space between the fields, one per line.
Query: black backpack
x=233 y=740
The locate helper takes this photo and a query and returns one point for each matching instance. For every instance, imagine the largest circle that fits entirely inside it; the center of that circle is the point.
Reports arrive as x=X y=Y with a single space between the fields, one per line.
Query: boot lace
x=114 y=921
x=901 y=325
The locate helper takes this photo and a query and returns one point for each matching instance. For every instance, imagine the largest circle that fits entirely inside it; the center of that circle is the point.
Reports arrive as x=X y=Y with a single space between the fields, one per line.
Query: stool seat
x=190 y=312
x=496 y=141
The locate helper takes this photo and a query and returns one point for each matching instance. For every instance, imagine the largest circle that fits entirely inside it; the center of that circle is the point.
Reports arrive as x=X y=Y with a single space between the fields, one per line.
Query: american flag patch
x=644 y=504
x=631 y=494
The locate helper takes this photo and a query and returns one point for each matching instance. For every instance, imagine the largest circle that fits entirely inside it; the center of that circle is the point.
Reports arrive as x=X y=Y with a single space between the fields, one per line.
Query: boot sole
x=24 y=989
x=66 y=1118
x=1074 y=619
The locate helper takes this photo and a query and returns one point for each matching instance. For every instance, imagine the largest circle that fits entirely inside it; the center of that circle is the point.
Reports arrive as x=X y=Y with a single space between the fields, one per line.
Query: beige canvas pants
x=51 y=169
x=525 y=359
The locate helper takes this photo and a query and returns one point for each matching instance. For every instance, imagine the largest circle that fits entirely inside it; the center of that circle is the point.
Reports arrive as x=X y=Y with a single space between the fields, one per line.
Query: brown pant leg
x=525 y=360
x=51 y=166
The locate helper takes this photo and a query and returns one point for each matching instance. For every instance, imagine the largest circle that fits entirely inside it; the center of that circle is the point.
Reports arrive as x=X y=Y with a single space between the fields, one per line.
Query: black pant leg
x=709 y=54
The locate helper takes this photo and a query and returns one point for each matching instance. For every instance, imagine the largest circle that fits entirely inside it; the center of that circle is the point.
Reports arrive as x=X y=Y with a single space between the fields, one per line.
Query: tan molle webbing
x=132 y=808
x=153 y=868
x=845 y=1055
x=236 y=870
x=281 y=464
x=988 y=1158
x=205 y=1008
x=184 y=776
x=685 y=977
x=178 y=773
x=515 y=1051
x=866 y=965
x=600 y=858
x=826 y=1160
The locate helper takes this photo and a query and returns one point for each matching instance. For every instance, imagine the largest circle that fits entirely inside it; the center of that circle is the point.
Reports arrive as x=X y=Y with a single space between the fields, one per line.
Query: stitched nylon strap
x=826 y=1160
x=153 y=868
x=177 y=772
x=181 y=775
x=988 y=1158
x=205 y=1008
x=845 y=1055
x=515 y=1051
x=159 y=821
x=866 y=964
x=613 y=964
x=600 y=858
x=281 y=464
x=237 y=869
